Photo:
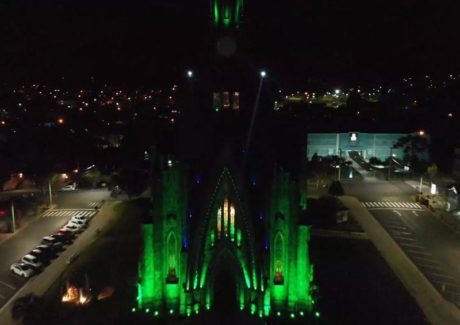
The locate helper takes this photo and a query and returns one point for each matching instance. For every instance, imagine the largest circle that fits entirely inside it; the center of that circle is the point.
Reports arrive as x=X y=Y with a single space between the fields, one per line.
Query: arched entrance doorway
x=225 y=286
x=225 y=292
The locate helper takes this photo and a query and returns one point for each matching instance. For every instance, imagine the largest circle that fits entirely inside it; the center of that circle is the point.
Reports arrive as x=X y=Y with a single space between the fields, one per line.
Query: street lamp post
x=50 y=193
x=13 y=217
x=421 y=184
x=390 y=163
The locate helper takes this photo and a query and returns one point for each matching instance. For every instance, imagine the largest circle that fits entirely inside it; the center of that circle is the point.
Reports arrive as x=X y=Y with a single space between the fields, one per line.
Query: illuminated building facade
x=379 y=145
x=185 y=253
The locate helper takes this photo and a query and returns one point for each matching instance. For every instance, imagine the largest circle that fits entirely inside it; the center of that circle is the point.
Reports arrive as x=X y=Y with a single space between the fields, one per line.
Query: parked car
x=52 y=242
x=80 y=217
x=70 y=187
x=77 y=223
x=43 y=254
x=65 y=237
x=49 y=249
x=22 y=269
x=71 y=228
x=32 y=260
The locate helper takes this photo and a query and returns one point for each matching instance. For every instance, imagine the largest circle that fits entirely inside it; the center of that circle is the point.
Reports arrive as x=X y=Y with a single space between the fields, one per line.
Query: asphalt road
x=67 y=204
x=433 y=247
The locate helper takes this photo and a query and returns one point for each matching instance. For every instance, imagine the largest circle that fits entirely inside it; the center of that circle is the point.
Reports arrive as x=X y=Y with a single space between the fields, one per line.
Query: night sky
x=153 y=41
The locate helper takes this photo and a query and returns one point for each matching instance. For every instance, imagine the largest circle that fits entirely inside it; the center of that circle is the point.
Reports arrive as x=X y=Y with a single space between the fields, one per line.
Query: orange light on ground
x=65 y=176
x=71 y=295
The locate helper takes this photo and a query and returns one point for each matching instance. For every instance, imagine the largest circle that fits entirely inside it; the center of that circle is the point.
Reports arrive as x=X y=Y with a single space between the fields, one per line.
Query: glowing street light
x=263 y=73
x=337 y=91
x=421 y=133
x=189 y=73
x=60 y=120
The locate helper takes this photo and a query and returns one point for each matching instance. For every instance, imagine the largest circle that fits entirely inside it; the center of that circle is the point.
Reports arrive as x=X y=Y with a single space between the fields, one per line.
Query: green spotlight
x=156 y=313
x=317 y=314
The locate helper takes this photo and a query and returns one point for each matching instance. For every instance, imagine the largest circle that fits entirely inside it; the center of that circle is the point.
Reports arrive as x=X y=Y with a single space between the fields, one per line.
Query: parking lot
x=404 y=226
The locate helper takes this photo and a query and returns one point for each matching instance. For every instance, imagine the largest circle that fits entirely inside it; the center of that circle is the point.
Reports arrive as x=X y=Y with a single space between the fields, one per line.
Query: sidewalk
x=434 y=306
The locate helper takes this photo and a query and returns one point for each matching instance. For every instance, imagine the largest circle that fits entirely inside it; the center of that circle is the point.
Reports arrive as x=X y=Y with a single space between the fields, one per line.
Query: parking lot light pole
x=390 y=163
x=50 y=194
x=13 y=218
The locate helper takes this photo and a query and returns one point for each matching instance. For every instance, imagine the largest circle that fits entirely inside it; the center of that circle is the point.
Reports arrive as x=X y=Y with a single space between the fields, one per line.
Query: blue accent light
x=185 y=240
x=253 y=180
x=261 y=215
x=197 y=179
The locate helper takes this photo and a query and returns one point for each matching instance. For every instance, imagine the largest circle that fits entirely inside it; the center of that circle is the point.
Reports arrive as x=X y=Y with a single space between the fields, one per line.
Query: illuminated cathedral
x=217 y=235
x=199 y=230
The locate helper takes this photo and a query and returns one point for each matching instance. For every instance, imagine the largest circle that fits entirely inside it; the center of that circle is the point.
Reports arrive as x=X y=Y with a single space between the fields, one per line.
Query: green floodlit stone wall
x=175 y=281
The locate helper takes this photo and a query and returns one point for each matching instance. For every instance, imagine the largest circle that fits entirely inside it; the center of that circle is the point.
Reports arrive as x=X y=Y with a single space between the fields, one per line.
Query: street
x=67 y=205
x=433 y=247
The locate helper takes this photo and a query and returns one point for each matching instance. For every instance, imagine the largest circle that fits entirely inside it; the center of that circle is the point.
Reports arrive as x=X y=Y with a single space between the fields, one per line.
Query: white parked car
x=22 y=269
x=32 y=260
x=72 y=228
x=70 y=187
x=78 y=222
x=79 y=217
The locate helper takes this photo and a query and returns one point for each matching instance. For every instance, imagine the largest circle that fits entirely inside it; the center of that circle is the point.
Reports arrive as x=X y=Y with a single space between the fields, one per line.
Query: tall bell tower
x=227 y=14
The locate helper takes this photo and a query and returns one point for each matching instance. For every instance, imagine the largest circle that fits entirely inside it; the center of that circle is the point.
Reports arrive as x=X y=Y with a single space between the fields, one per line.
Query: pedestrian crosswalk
x=391 y=205
x=94 y=204
x=69 y=212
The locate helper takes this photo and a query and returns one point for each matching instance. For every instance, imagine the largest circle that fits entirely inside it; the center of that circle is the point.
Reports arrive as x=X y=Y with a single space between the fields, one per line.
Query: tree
x=375 y=161
x=314 y=161
x=336 y=189
x=132 y=181
x=412 y=146
x=432 y=170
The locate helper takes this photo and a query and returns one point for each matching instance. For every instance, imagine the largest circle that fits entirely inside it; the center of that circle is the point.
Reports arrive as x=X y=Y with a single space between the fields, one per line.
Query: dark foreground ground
x=355 y=285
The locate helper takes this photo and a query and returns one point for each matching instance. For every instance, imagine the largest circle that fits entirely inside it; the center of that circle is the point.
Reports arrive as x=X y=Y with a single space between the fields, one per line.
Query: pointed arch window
x=278 y=259
x=171 y=251
x=226 y=215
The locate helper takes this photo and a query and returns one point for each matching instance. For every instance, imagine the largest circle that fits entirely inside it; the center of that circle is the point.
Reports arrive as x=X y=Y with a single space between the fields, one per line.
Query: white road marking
x=8 y=285
x=415 y=213
x=444 y=276
x=397 y=212
x=412 y=245
x=418 y=252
